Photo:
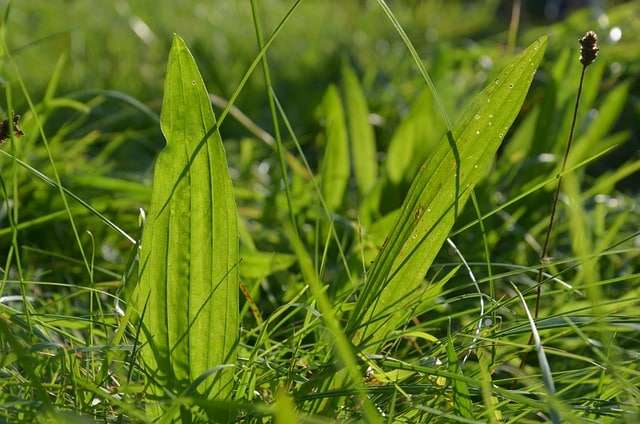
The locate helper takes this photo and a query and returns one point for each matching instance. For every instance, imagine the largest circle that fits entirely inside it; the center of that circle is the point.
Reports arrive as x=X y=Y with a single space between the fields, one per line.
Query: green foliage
x=334 y=172
x=361 y=137
x=132 y=289
x=188 y=290
x=436 y=196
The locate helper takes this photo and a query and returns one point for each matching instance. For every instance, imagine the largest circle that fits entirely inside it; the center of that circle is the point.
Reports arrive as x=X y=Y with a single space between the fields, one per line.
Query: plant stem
x=274 y=115
x=554 y=208
x=513 y=26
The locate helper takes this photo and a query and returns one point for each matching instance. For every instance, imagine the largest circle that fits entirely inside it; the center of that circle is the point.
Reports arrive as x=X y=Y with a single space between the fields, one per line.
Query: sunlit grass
x=356 y=282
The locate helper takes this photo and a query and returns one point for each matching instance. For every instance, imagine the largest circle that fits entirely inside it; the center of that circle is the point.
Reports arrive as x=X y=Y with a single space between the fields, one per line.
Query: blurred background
x=123 y=45
x=69 y=50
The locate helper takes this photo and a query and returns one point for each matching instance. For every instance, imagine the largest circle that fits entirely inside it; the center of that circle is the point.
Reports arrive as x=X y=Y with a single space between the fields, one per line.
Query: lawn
x=319 y=211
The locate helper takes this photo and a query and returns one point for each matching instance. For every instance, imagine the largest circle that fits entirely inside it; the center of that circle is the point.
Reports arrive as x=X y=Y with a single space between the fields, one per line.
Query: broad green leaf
x=361 y=136
x=285 y=408
x=440 y=189
x=259 y=265
x=334 y=172
x=189 y=275
x=461 y=397
x=400 y=151
x=414 y=139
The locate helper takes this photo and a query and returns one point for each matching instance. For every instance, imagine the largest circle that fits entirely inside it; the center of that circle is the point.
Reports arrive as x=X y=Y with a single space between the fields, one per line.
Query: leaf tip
x=178 y=42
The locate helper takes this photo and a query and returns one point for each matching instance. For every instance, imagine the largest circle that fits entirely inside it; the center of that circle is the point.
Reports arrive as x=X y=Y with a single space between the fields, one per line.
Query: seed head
x=4 y=128
x=588 y=48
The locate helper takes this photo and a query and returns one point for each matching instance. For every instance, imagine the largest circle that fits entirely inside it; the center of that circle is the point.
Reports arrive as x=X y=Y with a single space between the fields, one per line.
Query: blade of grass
x=343 y=346
x=542 y=358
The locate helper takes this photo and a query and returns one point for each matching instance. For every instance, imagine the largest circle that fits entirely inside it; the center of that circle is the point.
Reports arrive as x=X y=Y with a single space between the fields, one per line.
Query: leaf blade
x=334 y=172
x=361 y=136
x=435 y=197
x=189 y=251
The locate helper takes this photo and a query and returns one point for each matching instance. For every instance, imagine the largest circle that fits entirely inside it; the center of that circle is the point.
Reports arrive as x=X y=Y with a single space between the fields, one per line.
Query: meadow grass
x=370 y=250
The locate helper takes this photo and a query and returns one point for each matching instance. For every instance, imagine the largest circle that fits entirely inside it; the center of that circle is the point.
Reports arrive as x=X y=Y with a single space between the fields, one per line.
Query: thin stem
x=554 y=207
x=513 y=26
x=274 y=114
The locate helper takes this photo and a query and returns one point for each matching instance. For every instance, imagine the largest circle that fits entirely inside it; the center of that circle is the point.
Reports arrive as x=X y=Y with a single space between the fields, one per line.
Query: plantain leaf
x=334 y=172
x=363 y=143
x=258 y=265
x=438 y=192
x=189 y=255
x=413 y=140
x=400 y=150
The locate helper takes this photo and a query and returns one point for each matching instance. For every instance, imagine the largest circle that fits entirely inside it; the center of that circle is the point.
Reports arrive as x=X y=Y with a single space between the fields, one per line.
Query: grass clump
x=308 y=252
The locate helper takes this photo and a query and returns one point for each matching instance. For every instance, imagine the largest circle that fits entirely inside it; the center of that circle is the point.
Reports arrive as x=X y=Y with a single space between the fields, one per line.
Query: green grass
x=316 y=212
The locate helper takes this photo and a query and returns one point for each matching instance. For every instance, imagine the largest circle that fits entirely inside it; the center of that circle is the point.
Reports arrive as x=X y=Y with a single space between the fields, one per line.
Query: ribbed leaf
x=363 y=143
x=440 y=189
x=413 y=140
x=334 y=172
x=189 y=257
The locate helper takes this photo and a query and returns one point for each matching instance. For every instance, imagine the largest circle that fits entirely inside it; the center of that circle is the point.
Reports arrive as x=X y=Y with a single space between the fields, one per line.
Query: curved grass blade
x=189 y=253
x=429 y=210
x=542 y=358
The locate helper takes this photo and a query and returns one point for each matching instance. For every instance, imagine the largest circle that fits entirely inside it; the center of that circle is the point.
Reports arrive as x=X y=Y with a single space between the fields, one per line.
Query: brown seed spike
x=4 y=128
x=589 y=48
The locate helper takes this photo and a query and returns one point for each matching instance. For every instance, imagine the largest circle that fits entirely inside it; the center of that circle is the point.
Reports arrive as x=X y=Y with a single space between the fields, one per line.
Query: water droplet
x=488 y=100
x=490 y=123
x=501 y=134
x=477 y=132
x=477 y=116
x=475 y=166
x=193 y=82
x=497 y=82
x=510 y=85
x=428 y=209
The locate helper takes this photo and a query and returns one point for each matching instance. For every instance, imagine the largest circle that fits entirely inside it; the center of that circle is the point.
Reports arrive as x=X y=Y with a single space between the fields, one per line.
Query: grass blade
x=542 y=358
